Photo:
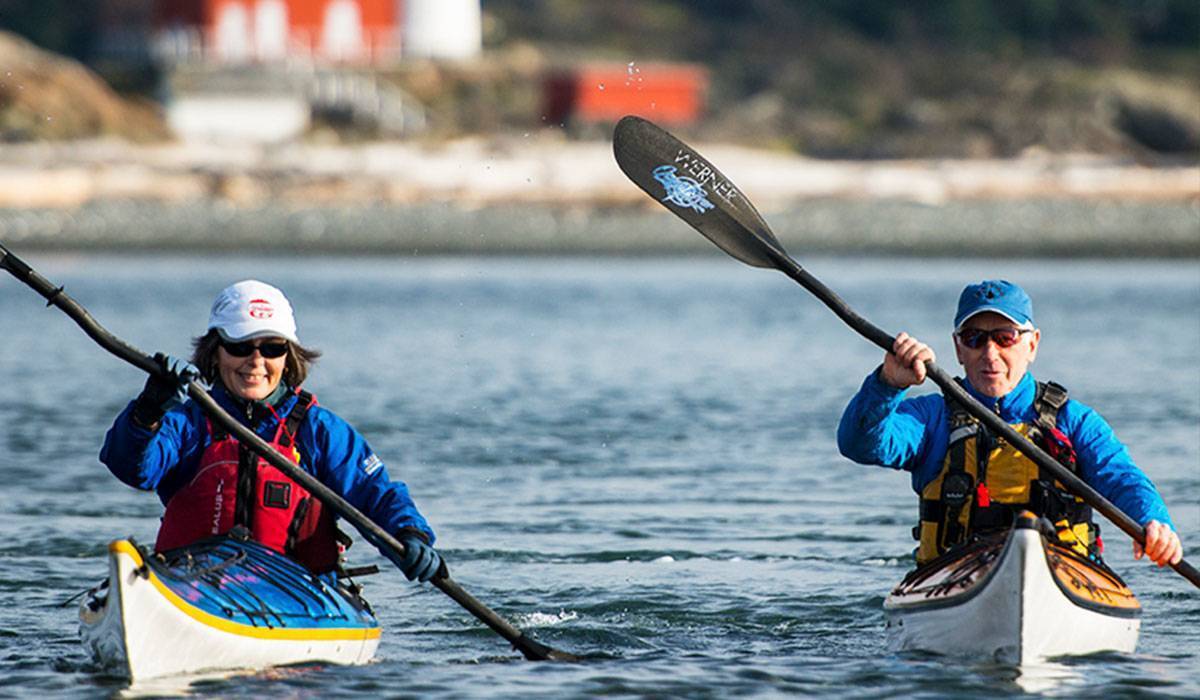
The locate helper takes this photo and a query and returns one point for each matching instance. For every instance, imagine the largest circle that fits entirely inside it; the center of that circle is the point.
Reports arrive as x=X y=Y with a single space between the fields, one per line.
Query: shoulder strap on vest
x=957 y=484
x=1050 y=399
x=304 y=401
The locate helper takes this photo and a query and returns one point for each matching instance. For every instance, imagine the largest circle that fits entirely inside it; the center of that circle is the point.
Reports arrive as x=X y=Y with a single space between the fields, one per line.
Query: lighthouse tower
x=445 y=29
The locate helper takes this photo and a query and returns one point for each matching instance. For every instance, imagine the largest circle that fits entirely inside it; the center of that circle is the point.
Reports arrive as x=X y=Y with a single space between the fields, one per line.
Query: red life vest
x=234 y=486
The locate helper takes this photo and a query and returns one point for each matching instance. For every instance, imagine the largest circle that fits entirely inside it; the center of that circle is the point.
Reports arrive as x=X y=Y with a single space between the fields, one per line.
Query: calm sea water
x=633 y=459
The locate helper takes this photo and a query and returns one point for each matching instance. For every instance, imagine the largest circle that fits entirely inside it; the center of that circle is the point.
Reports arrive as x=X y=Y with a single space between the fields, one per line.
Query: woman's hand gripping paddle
x=690 y=187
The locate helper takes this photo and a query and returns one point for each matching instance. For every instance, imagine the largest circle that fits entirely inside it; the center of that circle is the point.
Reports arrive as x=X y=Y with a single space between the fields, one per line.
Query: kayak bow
x=1016 y=599
x=219 y=605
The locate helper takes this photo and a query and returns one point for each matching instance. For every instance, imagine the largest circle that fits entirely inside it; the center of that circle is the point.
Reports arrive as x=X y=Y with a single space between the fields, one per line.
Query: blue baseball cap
x=998 y=296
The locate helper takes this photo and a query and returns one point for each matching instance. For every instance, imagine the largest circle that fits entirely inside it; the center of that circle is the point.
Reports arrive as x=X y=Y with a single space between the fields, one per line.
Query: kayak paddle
x=530 y=648
x=690 y=187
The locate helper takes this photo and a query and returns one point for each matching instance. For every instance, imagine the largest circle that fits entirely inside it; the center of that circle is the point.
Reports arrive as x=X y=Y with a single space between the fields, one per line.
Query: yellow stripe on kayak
x=125 y=547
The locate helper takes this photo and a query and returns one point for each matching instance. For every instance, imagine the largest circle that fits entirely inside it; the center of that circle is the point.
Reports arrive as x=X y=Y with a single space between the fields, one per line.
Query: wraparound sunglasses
x=976 y=338
x=247 y=348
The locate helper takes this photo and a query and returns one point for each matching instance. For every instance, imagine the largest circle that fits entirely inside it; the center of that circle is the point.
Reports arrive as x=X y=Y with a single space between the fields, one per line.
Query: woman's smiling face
x=253 y=377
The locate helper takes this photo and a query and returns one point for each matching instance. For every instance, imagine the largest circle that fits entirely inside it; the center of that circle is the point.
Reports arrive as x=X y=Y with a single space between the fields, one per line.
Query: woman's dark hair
x=295 y=367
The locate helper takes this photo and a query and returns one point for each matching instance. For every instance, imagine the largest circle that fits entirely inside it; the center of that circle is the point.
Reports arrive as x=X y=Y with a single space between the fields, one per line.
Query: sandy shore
x=535 y=194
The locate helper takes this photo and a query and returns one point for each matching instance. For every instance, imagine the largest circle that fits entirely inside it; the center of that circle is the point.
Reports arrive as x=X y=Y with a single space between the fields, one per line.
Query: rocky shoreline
x=544 y=194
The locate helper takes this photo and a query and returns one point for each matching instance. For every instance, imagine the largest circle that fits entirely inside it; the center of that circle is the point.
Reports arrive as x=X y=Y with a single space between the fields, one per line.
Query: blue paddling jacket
x=881 y=427
x=166 y=460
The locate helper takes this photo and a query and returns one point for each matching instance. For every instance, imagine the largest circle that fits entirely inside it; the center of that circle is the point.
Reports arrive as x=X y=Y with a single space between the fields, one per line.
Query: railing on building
x=363 y=98
x=188 y=45
x=343 y=85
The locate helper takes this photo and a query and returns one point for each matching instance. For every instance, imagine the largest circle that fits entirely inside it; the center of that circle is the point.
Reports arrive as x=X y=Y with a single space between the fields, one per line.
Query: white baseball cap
x=252 y=309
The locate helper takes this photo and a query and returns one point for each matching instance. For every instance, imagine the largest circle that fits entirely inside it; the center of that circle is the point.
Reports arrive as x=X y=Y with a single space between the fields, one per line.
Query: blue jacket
x=165 y=460
x=881 y=427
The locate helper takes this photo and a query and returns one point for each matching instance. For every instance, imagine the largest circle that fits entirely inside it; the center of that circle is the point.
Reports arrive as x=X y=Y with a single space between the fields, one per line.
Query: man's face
x=993 y=370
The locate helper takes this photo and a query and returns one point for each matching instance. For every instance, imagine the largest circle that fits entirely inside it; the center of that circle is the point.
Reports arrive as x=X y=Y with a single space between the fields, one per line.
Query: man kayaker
x=970 y=481
x=251 y=356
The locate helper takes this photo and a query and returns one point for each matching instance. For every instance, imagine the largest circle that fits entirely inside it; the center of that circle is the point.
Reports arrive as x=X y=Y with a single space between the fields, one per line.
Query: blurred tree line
x=1113 y=26
x=871 y=78
x=1087 y=29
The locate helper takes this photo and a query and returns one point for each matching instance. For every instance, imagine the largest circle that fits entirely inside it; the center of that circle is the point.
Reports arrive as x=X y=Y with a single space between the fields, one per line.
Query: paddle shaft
x=55 y=296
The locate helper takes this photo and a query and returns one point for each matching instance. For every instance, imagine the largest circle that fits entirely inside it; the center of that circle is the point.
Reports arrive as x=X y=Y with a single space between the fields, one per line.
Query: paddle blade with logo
x=690 y=187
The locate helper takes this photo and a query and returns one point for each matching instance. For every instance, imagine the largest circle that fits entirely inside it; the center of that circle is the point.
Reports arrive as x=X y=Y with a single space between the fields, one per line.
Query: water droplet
x=601 y=86
x=634 y=74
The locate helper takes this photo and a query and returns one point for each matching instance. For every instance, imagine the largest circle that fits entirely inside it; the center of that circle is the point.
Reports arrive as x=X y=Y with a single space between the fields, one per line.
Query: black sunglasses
x=976 y=338
x=247 y=348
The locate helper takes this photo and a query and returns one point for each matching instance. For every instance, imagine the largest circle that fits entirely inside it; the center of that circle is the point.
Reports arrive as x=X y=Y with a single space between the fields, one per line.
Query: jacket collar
x=254 y=412
x=1013 y=405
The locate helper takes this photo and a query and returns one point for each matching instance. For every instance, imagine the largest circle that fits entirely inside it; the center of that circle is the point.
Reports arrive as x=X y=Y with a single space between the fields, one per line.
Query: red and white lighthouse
x=267 y=31
x=241 y=31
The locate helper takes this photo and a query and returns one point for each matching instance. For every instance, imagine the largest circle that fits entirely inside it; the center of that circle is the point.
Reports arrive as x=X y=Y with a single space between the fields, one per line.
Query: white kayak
x=1017 y=599
x=221 y=605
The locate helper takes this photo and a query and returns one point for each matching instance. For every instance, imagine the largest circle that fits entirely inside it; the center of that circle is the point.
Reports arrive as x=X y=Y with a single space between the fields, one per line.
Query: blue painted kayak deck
x=247 y=583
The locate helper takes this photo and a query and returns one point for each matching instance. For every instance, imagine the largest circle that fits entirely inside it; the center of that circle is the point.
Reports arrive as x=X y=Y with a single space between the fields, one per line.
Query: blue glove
x=164 y=390
x=420 y=562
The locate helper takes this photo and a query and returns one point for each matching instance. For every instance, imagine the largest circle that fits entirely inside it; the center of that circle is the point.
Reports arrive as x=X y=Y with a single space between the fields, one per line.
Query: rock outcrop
x=46 y=96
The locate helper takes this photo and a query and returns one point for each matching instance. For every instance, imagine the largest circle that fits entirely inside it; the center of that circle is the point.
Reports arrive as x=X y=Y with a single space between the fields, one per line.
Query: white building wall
x=446 y=29
x=232 y=35
x=271 y=30
x=341 y=33
x=234 y=118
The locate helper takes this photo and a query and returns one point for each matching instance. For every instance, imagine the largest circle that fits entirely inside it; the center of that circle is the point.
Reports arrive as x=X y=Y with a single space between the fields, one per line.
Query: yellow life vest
x=984 y=481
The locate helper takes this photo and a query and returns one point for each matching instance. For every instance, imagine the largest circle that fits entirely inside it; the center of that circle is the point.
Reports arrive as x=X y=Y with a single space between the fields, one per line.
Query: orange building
x=670 y=94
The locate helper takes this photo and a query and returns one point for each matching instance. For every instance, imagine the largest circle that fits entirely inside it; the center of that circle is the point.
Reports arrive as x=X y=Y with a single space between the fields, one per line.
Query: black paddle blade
x=690 y=187
x=534 y=650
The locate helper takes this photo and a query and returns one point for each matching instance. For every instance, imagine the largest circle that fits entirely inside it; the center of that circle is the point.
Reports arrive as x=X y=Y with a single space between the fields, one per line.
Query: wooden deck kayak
x=1016 y=598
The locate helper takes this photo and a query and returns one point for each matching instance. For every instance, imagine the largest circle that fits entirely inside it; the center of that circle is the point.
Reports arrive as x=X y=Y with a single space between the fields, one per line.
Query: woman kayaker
x=970 y=481
x=256 y=365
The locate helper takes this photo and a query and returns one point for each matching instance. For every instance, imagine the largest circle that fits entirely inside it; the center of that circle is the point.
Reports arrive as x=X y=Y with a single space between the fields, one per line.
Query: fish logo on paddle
x=682 y=191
